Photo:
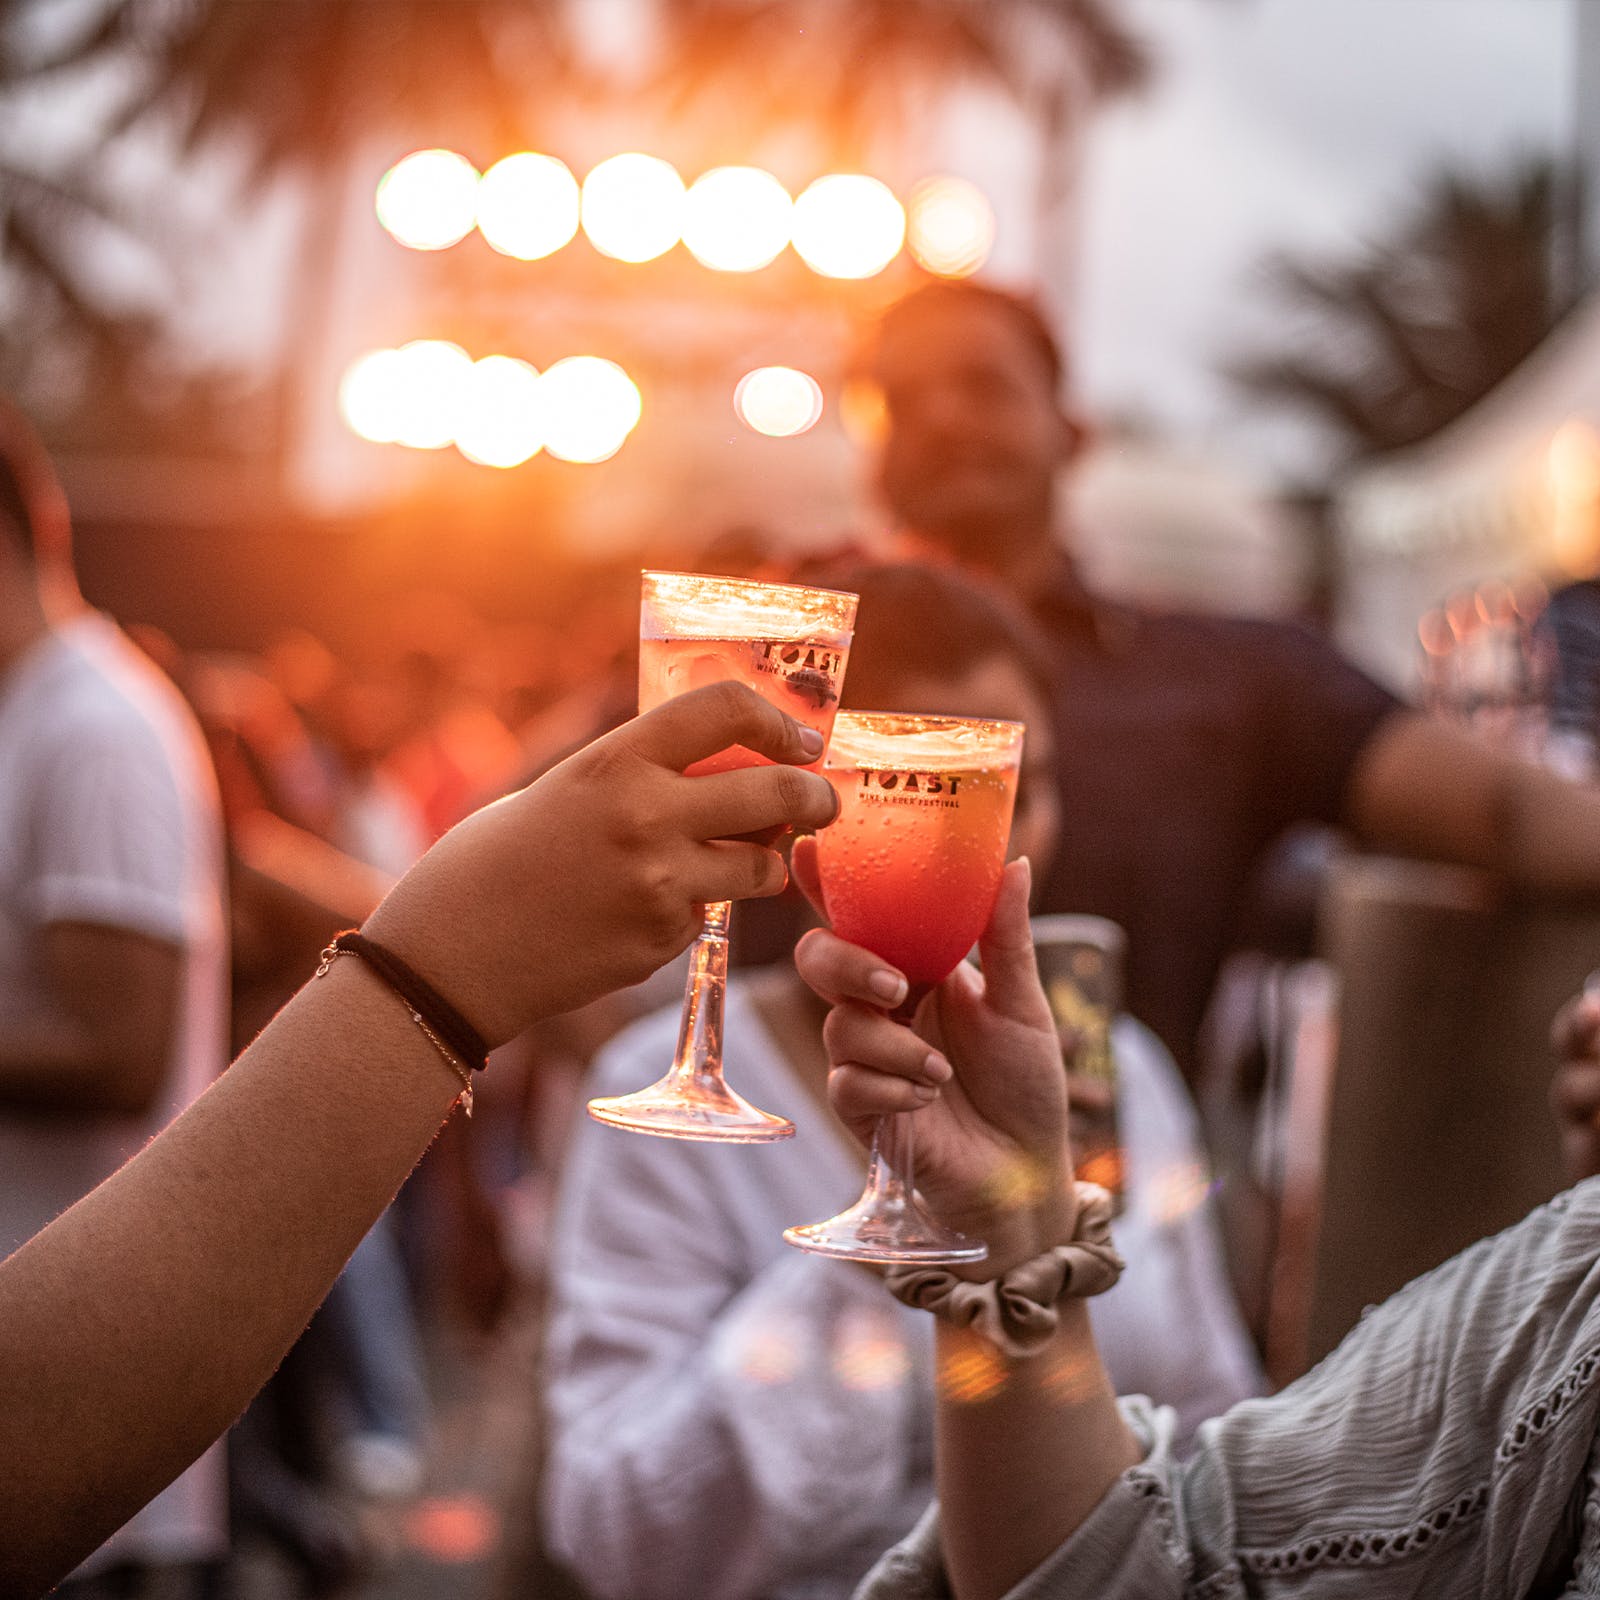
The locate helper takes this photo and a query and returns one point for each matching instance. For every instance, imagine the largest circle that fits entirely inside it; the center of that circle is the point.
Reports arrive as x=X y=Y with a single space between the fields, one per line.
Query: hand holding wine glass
x=991 y=1136
x=911 y=870
x=789 y=644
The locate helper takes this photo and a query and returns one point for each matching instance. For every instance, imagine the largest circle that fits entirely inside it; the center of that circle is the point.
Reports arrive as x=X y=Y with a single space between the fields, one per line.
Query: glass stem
x=698 y=1059
x=890 y=1173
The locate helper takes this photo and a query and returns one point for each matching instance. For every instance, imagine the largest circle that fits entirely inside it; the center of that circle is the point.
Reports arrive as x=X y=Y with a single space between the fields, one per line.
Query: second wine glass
x=910 y=870
x=790 y=644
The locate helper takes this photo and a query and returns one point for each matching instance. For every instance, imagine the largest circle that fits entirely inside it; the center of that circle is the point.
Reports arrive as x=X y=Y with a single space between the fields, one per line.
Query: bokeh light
x=500 y=420
x=737 y=219
x=949 y=226
x=372 y=395
x=848 y=225
x=590 y=407
x=863 y=412
x=633 y=207
x=432 y=379
x=452 y=1529
x=528 y=205
x=778 y=401
x=429 y=201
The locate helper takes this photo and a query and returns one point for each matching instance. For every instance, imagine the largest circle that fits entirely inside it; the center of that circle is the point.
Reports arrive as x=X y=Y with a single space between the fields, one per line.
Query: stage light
x=736 y=219
x=528 y=205
x=429 y=200
x=433 y=378
x=848 y=226
x=371 y=397
x=500 y=421
x=778 y=401
x=949 y=226
x=590 y=407
x=633 y=207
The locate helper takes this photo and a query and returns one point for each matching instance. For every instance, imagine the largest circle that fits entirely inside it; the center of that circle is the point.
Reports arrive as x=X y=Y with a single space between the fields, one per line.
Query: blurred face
x=975 y=434
x=1001 y=689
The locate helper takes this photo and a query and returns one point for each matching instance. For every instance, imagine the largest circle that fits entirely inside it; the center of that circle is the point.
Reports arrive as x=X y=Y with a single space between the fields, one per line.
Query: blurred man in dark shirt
x=1186 y=743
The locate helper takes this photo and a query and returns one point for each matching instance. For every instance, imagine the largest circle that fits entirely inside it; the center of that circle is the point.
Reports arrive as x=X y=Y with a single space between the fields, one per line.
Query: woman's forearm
x=1026 y=1450
x=138 y=1325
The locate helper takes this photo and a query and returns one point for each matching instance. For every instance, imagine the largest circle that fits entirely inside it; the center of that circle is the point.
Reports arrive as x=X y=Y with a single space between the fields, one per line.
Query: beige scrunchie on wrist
x=1018 y=1312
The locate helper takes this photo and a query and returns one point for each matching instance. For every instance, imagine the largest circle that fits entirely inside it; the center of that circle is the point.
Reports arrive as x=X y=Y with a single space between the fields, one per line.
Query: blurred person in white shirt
x=732 y=1419
x=112 y=931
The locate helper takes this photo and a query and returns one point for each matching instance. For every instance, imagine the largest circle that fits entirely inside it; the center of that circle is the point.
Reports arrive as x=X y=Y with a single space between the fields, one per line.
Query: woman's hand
x=981 y=1068
x=591 y=878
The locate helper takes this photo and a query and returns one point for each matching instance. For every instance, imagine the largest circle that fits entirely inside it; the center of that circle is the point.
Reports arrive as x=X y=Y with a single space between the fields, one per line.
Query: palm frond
x=1397 y=343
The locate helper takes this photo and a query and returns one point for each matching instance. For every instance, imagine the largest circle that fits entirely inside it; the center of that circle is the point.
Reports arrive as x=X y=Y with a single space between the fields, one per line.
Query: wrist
x=1019 y=1233
x=434 y=960
x=1019 y=1308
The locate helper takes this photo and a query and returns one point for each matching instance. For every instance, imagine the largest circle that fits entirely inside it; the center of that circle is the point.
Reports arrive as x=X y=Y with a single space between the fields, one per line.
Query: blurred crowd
x=707 y=1391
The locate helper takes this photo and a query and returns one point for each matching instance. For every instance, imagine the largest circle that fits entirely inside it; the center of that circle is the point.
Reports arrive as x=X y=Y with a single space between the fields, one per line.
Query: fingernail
x=811 y=742
x=969 y=979
x=936 y=1067
x=925 y=1092
x=888 y=986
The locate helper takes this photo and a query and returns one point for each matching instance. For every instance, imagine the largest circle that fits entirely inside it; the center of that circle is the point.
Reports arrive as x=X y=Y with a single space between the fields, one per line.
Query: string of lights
x=500 y=411
x=634 y=207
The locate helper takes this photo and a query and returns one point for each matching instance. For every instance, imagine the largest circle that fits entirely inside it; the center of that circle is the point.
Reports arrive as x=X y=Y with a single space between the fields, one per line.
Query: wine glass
x=790 y=644
x=910 y=870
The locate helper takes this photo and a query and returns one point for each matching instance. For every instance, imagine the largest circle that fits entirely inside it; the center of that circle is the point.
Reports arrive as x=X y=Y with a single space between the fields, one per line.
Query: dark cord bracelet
x=453 y=1030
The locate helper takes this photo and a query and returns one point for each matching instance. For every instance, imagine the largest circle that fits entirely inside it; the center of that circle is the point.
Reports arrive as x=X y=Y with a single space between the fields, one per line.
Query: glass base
x=672 y=1111
x=902 y=1233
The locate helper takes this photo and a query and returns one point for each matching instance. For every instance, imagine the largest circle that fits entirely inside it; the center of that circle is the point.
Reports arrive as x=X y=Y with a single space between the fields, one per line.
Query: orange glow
x=371 y=396
x=778 y=401
x=1179 y=1190
x=870 y=1355
x=1529 y=596
x=432 y=379
x=633 y=207
x=528 y=206
x=863 y=413
x=1434 y=632
x=453 y=1529
x=950 y=226
x=1493 y=601
x=737 y=219
x=590 y=407
x=973 y=1371
x=429 y=200
x=771 y=1356
x=1104 y=1167
x=848 y=226
x=1016 y=1182
x=1070 y=1379
x=1573 y=475
x=499 y=423
x=1461 y=611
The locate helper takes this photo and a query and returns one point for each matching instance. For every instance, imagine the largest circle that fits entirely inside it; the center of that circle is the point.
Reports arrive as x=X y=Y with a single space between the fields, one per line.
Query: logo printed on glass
x=889 y=787
x=808 y=670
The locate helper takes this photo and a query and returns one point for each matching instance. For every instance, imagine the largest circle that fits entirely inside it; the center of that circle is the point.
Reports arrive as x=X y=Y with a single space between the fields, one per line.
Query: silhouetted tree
x=1390 y=347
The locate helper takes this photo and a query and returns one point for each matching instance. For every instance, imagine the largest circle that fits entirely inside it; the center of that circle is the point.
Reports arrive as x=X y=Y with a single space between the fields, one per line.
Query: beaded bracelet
x=459 y=1044
x=1018 y=1311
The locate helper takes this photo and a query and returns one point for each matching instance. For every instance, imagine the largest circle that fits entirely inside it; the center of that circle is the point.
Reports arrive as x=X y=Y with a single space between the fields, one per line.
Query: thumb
x=1010 y=973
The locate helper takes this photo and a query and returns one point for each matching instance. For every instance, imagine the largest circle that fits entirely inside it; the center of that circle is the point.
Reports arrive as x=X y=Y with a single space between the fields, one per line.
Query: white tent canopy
x=1489 y=473
x=1512 y=486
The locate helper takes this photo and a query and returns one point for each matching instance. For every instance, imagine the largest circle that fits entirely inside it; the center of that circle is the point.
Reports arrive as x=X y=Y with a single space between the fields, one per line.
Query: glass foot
x=699 y=1111
x=897 y=1232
